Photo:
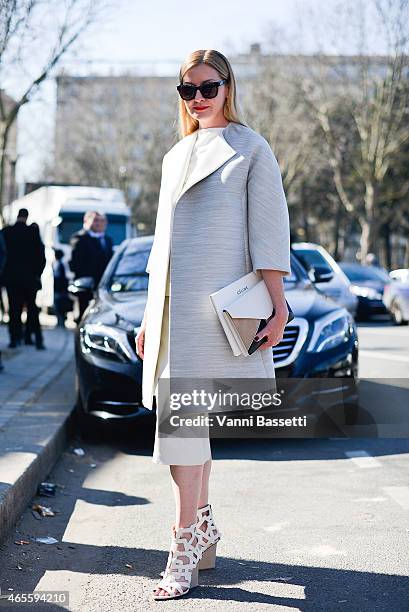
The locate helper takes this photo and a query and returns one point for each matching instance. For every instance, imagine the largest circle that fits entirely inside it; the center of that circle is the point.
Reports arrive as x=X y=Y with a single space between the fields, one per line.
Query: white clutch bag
x=244 y=307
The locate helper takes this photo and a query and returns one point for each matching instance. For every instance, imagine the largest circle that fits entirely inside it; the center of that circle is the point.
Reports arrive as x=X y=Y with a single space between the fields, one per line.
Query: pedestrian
x=22 y=273
x=92 y=249
x=3 y=256
x=222 y=213
x=373 y=261
x=62 y=301
x=33 y=311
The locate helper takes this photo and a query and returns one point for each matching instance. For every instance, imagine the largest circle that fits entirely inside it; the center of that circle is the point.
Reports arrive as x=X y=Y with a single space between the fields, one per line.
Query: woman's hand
x=140 y=342
x=274 y=330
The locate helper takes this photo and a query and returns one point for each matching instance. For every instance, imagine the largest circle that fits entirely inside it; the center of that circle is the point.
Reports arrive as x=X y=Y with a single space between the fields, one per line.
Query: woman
x=222 y=213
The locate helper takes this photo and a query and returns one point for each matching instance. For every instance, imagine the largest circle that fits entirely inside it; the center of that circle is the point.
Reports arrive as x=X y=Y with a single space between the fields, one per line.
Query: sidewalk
x=36 y=399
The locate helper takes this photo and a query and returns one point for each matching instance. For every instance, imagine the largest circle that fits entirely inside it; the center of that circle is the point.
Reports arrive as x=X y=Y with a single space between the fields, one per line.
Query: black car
x=321 y=341
x=368 y=283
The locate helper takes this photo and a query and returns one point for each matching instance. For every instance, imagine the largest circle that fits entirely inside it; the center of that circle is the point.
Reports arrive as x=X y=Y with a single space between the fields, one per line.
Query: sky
x=170 y=29
x=153 y=37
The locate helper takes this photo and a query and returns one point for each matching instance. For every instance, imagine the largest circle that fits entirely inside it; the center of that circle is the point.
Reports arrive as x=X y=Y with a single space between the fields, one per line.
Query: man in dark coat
x=24 y=265
x=92 y=249
x=3 y=256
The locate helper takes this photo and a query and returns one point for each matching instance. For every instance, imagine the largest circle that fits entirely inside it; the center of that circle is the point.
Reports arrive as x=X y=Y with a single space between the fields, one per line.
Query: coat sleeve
x=75 y=246
x=3 y=252
x=39 y=257
x=267 y=210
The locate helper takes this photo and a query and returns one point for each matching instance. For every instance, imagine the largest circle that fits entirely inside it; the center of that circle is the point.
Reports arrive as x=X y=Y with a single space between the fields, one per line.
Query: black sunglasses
x=208 y=90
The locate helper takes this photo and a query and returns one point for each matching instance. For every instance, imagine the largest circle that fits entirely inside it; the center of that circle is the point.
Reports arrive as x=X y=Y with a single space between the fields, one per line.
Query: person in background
x=61 y=298
x=372 y=260
x=92 y=249
x=33 y=320
x=3 y=255
x=24 y=265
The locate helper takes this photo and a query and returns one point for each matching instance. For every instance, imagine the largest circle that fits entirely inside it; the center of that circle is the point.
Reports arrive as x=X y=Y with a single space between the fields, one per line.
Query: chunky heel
x=194 y=582
x=208 y=560
x=209 y=535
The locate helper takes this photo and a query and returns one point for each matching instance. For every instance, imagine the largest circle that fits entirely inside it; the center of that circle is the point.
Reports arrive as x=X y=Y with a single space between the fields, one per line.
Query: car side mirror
x=320 y=275
x=80 y=285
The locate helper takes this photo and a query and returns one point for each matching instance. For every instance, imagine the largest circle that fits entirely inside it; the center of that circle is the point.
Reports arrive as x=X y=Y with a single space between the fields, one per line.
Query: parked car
x=368 y=283
x=396 y=300
x=402 y=275
x=321 y=341
x=338 y=287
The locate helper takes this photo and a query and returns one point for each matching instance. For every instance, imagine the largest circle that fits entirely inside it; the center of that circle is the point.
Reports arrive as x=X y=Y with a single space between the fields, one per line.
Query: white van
x=59 y=212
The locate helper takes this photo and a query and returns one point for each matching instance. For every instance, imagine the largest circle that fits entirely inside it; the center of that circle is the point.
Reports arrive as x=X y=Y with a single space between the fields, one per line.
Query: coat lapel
x=218 y=151
x=179 y=163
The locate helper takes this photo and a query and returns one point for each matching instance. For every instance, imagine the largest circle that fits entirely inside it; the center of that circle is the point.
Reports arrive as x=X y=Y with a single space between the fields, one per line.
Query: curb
x=35 y=436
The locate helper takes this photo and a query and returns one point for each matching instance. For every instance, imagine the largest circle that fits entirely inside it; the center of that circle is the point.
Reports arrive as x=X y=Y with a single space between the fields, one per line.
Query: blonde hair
x=219 y=62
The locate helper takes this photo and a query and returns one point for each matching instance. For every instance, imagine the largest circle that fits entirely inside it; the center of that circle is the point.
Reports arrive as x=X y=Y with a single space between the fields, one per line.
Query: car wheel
x=397 y=314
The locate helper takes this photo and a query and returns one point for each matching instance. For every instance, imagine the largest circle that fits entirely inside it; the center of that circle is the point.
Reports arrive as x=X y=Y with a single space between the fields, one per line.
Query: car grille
x=280 y=352
x=284 y=349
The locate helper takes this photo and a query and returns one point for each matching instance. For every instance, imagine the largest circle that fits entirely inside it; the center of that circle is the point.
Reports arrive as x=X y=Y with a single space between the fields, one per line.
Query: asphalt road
x=311 y=525
x=383 y=350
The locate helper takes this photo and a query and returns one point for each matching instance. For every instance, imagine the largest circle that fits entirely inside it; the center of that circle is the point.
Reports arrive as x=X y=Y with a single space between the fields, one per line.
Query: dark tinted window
x=312 y=258
x=129 y=273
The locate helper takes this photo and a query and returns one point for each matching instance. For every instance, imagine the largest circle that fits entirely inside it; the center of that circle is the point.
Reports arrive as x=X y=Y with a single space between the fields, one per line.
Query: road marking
x=319 y=550
x=370 y=499
x=276 y=526
x=363 y=459
x=399 y=494
x=380 y=355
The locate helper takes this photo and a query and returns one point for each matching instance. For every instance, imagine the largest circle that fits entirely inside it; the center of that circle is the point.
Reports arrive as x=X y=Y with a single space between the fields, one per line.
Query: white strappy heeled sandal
x=181 y=576
x=209 y=535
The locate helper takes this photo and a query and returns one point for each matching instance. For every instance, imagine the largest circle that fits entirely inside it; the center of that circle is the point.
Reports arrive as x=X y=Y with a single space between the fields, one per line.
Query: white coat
x=231 y=217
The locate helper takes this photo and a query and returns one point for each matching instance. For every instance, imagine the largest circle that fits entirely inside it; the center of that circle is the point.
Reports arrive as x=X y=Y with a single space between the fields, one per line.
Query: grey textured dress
x=223 y=225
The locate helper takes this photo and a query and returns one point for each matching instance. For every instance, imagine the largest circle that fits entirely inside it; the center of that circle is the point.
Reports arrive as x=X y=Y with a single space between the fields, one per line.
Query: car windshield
x=311 y=257
x=129 y=273
x=363 y=273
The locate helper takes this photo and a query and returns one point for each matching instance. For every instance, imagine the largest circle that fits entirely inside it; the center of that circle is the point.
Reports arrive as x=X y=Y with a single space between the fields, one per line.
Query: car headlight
x=366 y=292
x=330 y=331
x=107 y=342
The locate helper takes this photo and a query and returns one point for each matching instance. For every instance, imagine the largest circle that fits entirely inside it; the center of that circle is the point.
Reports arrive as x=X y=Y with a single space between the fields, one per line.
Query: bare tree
x=274 y=108
x=361 y=104
x=34 y=36
x=113 y=132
